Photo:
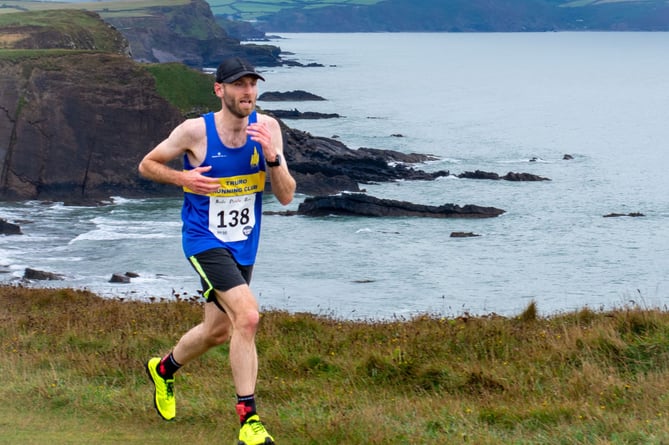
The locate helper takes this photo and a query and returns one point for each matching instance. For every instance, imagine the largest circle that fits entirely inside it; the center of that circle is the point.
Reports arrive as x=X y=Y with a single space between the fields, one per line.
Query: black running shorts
x=219 y=270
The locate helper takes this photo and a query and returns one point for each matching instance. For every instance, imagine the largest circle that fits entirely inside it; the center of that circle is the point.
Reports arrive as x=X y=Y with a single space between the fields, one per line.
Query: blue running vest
x=230 y=217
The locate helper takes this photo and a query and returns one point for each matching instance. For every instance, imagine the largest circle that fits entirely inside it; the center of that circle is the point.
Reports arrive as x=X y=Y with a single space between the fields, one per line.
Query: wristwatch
x=275 y=163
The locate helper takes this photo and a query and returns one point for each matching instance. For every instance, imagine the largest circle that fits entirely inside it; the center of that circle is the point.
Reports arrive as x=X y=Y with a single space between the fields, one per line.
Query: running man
x=226 y=155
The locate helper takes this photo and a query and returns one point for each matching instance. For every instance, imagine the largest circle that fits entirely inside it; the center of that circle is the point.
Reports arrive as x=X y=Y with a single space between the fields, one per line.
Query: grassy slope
x=187 y=89
x=72 y=374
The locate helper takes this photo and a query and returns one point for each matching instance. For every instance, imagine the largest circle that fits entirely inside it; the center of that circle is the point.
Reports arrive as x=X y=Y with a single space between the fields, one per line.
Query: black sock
x=168 y=366
x=246 y=407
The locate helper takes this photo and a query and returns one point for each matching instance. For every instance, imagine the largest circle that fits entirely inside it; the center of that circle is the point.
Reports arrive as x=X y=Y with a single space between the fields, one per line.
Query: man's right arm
x=154 y=165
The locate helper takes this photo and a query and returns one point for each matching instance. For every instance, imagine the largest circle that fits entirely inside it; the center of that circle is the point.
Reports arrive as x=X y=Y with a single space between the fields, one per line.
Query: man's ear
x=218 y=89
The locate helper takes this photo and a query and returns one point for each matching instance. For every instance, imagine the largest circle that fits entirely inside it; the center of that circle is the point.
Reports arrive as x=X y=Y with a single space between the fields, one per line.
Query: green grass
x=16 y=55
x=78 y=25
x=189 y=90
x=73 y=373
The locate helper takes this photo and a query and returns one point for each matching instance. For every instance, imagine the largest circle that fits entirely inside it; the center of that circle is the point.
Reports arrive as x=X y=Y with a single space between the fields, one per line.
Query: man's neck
x=231 y=129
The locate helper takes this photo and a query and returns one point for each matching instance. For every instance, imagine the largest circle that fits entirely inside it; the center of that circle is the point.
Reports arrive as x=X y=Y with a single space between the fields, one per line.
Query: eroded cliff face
x=73 y=127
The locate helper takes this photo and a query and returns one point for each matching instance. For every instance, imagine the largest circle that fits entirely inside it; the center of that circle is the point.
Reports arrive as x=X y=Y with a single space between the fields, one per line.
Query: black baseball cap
x=232 y=69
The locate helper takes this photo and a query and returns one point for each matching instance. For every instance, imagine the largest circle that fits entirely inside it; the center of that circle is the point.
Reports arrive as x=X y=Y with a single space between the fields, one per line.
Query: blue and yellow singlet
x=230 y=217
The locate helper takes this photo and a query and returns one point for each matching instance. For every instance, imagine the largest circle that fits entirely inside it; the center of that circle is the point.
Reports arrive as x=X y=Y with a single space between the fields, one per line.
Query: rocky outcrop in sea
x=360 y=204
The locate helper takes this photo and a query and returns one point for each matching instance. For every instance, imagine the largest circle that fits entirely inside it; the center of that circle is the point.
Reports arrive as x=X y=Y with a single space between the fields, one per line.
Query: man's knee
x=247 y=321
x=243 y=309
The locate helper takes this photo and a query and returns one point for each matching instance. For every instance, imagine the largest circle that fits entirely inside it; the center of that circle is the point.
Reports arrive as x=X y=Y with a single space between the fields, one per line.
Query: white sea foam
x=111 y=235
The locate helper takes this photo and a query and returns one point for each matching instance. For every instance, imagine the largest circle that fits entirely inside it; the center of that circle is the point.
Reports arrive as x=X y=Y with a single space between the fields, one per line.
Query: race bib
x=232 y=215
x=232 y=218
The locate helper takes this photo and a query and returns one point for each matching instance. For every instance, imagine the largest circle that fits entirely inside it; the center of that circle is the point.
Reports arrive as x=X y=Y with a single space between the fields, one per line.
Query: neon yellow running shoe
x=163 y=394
x=254 y=433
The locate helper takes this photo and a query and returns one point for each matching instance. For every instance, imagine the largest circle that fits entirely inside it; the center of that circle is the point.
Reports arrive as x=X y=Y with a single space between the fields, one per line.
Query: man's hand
x=196 y=182
x=261 y=134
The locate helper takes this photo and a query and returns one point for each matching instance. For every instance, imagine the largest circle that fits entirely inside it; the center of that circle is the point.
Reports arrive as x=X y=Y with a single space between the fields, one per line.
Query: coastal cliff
x=75 y=120
x=74 y=125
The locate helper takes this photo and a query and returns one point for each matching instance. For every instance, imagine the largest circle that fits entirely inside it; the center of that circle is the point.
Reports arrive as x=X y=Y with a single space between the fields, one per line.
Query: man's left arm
x=268 y=133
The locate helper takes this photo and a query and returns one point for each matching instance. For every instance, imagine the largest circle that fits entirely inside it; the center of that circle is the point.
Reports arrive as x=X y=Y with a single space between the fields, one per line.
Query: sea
x=516 y=102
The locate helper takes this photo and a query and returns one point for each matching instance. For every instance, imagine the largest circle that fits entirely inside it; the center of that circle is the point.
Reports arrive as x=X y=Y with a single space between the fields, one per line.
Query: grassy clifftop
x=49 y=29
x=49 y=33
x=73 y=373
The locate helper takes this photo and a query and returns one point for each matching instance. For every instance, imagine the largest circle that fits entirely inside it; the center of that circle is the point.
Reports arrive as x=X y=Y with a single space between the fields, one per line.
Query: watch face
x=276 y=162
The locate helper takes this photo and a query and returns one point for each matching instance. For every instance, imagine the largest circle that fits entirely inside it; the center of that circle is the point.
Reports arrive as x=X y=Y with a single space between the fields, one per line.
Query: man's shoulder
x=262 y=117
x=194 y=126
x=189 y=134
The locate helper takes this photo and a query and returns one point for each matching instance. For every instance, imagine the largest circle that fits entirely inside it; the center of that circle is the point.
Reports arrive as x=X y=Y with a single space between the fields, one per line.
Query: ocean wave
x=119 y=200
x=133 y=222
x=364 y=230
x=71 y=259
x=113 y=235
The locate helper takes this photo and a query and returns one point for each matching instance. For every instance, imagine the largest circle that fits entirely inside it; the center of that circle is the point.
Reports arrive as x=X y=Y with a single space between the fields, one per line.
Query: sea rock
x=296 y=114
x=463 y=234
x=479 y=174
x=119 y=278
x=323 y=166
x=360 y=204
x=40 y=275
x=7 y=228
x=511 y=176
x=289 y=96
x=632 y=214
x=302 y=65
